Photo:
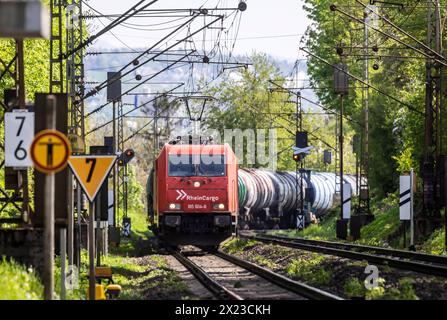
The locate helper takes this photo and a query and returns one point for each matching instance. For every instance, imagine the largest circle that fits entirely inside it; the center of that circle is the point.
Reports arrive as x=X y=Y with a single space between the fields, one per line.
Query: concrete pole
x=63 y=239
x=70 y=236
x=48 y=238
x=91 y=251
x=98 y=232
x=79 y=210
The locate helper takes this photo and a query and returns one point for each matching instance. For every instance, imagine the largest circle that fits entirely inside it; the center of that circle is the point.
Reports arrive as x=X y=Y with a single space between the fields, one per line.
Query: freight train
x=197 y=195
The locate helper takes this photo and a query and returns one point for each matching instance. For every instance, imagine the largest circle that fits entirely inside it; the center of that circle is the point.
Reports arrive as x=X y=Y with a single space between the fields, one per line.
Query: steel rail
x=422 y=257
x=394 y=262
x=216 y=288
x=279 y=280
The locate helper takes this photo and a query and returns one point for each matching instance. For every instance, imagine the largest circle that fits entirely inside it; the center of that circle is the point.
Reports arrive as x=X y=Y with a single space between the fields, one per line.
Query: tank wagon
x=269 y=199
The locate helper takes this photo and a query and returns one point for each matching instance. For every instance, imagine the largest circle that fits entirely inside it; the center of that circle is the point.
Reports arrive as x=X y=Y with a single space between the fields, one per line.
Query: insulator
x=242 y=6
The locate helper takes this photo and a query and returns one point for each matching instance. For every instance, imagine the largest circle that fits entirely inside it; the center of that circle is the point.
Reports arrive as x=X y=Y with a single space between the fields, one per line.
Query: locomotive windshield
x=203 y=166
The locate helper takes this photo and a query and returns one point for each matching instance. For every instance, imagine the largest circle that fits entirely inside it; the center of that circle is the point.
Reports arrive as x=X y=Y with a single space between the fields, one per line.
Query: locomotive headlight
x=174 y=206
x=219 y=206
x=196 y=184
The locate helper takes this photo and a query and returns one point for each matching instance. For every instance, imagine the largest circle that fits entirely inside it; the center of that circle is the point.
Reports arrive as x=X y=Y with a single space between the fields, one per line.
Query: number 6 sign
x=19 y=134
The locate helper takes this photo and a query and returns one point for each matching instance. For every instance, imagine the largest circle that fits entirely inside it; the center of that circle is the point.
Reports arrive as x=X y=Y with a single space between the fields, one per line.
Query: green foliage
x=310 y=270
x=405 y=291
x=137 y=278
x=18 y=283
x=396 y=132
x=134 y=191
x=324 y=230
x=385 y=224
x=263 y=261
x=376 y=292
x=436 y=243
x=139 y=231
x=354 y=288
x=236 y=245
x=405 y=161
x=246 y=99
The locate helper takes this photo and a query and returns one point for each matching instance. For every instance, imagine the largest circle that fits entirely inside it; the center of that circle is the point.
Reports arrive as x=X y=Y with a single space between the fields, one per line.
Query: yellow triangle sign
x=91 y=171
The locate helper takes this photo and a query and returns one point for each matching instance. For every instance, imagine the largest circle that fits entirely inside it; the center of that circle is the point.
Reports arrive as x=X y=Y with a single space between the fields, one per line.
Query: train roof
x=214 y=149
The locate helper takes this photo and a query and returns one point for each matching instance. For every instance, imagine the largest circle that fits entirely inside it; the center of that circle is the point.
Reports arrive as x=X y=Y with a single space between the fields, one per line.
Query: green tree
x=246 y=99
x=394 y=128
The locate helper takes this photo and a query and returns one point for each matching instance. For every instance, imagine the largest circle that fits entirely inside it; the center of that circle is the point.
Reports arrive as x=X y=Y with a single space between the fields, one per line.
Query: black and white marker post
x=406 y=186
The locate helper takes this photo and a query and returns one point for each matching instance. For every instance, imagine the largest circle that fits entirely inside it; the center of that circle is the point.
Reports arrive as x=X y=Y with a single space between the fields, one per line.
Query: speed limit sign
x=19 y=133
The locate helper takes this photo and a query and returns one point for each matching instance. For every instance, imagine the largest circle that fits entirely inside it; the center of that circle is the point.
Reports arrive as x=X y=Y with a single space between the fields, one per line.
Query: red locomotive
x=193 y=194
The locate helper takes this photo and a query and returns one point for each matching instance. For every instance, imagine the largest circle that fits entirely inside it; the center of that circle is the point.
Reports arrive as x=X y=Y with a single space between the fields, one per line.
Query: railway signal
x=300 y=153
x=126 y=157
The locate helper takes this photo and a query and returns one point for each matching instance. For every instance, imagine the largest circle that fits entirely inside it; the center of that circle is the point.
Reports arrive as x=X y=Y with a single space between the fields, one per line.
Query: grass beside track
x=332 y=274
x=384 y=231
x=140 y=272
x=18 y=283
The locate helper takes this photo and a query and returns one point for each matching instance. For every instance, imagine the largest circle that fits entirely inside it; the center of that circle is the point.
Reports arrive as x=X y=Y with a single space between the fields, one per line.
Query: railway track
x=399 y=259
x=230 y=278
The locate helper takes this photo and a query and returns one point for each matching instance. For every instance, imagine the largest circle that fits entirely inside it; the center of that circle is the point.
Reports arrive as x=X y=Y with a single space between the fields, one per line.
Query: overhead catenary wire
x=125 y=16
x=411 y=108
x=406 y=33
x=138 y=85
x=105 y=83
x=315 y=103
x=136 y=108
x=334 y=8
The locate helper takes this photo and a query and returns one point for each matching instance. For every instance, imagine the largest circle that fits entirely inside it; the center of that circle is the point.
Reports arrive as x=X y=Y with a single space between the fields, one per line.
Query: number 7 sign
x=91 y=171
x=19 y=134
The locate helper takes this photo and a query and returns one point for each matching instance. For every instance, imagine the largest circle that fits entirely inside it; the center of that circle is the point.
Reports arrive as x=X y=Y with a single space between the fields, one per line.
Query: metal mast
x=121 y=192
x=429 y=218
x=76 y=131
x=363 y=205
x=56 y=64
x=75 y=68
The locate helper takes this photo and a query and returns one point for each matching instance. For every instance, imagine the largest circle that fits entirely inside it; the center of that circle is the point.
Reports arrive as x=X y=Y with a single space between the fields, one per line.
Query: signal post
x=91 y=172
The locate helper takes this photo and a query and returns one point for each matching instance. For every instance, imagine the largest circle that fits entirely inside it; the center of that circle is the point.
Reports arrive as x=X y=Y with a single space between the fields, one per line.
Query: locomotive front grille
x=197 y=223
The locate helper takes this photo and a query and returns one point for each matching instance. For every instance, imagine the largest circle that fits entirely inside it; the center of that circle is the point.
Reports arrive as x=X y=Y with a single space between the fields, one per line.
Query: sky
x=273 y=27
